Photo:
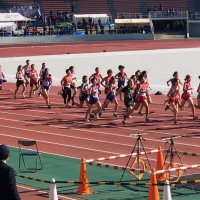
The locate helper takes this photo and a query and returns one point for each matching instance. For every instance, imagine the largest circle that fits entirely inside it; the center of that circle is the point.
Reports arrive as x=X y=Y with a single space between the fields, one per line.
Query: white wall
x=160 y=64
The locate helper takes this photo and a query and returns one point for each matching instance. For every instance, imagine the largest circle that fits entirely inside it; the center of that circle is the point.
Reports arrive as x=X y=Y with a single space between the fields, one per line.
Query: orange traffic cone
x=83 y=187
x=153 y=189
x=160 y=165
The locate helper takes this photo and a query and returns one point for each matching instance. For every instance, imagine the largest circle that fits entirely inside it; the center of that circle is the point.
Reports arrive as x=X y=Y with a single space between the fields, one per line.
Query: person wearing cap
x=8 y=189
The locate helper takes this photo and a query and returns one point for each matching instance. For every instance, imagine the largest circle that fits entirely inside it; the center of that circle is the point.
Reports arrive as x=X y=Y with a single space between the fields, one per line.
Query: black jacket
x=8 y=189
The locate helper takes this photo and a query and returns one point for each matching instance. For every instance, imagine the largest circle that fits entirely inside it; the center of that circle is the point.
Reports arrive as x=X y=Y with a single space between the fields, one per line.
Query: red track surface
x=64 y=131
x=92 y=47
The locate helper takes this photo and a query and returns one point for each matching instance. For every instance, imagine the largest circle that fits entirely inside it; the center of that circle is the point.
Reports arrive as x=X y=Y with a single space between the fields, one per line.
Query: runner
x=83 y=97
x=144 y=74
x=111 y=97
x=198 y=97
x=175 y=76
x=121 y=76
x=141 y=98
x=27 y=69
x=186 y=96
x=174 y=98
x=94 y=92
x=66 y=83
x=105 y=81
x=46 y=84
x=43 y=71
x=73 y=85
x=97 y=76
x=128 y=99
x=33 y=80
x=20 y=81
x=2 y=78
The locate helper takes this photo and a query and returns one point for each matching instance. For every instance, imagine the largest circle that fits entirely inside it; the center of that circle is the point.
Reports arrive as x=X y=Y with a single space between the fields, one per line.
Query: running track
x=63 y=131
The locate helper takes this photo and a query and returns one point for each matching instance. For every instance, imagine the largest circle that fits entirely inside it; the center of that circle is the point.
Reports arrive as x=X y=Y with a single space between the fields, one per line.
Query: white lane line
x=60 y=144
x=57 y=126
x=43 y=192
x=121 y=127
x=154 y=140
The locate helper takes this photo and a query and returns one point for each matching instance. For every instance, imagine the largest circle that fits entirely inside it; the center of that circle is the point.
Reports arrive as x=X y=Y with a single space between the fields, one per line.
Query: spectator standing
x=8 y=189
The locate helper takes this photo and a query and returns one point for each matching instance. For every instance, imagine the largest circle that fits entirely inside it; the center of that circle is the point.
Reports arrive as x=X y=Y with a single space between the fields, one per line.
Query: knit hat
x=4 y=152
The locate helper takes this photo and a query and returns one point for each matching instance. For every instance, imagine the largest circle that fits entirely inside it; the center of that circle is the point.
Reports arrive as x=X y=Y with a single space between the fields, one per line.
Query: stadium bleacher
x=58 y=5
x=11 y=3
x=127 y=6
x=168 y=4
x=92 y=7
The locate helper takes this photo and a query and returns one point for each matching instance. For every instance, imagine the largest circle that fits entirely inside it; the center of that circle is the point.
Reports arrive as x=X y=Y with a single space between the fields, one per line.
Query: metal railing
x=131 y=16
x=169 y=14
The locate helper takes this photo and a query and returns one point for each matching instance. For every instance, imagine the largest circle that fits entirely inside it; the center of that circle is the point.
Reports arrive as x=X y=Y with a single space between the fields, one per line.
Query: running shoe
x=167 y=107
x=96 y=116
x=87 y=119
x=115 y=115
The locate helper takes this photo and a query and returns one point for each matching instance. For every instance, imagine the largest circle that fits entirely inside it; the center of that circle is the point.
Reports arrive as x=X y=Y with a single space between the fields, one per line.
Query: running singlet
x=19 y=76
x=121 y=79
x=97 y=76
x=174 y=96
x=84 y=88
x=42 y=73
x=143 y=89
x=107 y=79
x=47 y=81
x=187 y=88
x=121 y=76
x=95 y=91
x=33 y=75
x=128 y=96
x=27 y=69
x=67 y=81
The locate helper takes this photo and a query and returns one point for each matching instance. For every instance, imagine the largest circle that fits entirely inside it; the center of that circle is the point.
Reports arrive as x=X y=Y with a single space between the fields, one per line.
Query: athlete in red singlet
x=105 y=81
x=97 y=76
x=33 y=80
x=174 y=98
x=141 y=98
x=186 y=96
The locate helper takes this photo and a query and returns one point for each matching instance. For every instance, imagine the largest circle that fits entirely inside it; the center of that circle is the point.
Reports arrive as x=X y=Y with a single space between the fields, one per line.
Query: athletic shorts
x=174 y=100
x=27 y=74
x=198 y=96
x=110 y=96
x=1 y=81
x=83 y=96
x=33 y=82
x=141 y=99
x=129 y=103
x=45 y=88
x=73 y=86
x=121 y=83
x=186 y=96
x=93 y=100
x=19 y=82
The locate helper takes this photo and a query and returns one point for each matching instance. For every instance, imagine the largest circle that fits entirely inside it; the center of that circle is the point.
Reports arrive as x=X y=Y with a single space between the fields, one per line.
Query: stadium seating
x=93 y=6
x=127 y=6
x=58 y=5
x=11 y=3
x=167 y=4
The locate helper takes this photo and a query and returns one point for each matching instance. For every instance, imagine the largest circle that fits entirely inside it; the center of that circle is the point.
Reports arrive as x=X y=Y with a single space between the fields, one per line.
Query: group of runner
x=135 y=90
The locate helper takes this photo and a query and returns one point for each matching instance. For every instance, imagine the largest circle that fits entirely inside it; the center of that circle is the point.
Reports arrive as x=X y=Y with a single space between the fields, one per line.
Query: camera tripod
x=137 y=160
